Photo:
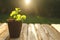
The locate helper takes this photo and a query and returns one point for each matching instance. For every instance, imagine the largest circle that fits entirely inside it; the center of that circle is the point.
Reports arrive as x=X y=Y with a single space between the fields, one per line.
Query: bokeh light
x=27 y=2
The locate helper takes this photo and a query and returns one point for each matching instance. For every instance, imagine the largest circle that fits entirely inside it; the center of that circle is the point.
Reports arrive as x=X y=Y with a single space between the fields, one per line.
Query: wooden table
x=33 y=32
x=56 y=26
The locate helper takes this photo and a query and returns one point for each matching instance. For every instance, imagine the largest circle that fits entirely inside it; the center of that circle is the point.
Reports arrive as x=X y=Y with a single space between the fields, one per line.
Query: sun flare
x=27 y=1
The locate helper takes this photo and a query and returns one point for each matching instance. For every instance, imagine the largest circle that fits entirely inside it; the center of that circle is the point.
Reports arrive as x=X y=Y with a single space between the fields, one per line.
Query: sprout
x=23 y=17
x=15 y=15
x=18 y=17
x=17 y=8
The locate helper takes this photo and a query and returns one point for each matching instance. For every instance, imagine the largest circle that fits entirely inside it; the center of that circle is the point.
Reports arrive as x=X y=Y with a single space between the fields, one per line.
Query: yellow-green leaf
x=18 y=17
x=13 y=13
x=23 y=16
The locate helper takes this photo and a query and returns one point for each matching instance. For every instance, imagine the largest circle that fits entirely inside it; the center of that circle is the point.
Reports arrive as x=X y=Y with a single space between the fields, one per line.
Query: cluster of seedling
x=16 y=15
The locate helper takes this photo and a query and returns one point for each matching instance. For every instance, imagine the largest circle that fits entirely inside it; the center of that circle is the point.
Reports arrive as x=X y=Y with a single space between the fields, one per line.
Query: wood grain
x=33 y=32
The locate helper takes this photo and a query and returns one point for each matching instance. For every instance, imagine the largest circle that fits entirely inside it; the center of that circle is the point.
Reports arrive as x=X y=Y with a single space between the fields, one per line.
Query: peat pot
x=14 y=28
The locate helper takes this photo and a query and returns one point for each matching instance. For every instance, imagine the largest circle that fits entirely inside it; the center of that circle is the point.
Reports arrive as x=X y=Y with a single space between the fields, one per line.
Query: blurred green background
x=39 y=11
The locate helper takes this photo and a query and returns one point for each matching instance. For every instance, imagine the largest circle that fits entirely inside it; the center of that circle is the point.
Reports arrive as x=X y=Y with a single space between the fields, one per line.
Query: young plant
x=16 y=15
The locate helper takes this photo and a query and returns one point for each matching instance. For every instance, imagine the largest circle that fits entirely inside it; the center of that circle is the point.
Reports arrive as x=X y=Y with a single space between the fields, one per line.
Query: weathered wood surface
x=3 y=31
x=33 y=32
x=52 y=33
x=56 y=26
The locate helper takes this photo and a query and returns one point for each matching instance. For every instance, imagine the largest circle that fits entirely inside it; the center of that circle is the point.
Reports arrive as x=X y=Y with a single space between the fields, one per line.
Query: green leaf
x=18 y=17
x=13 y=13
x=23 y=17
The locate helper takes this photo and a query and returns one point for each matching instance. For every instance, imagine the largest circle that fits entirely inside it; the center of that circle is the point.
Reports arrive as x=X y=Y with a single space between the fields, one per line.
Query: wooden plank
x=4 y=31
x=23 y=35
x=52 y=32
x=3 y=27
x=32 y=35
x=42 y=32
x=50 y=38
x=38 y=31
x=33 y=32
x=46 y=31
x=56 y=26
